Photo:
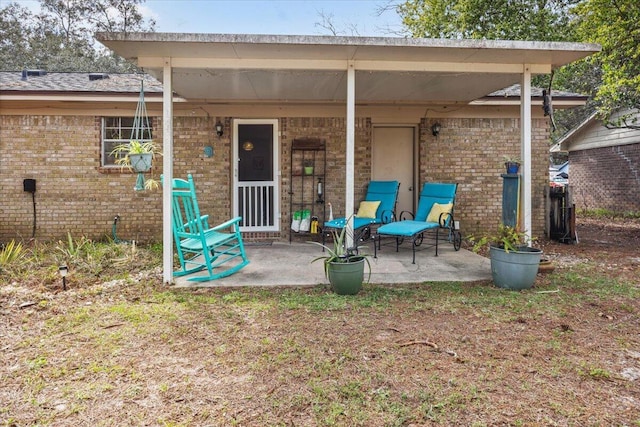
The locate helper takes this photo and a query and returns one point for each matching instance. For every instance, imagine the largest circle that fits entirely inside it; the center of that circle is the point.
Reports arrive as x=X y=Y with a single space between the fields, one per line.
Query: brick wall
x=469 y=152
x=74 y=194
x=606 y=178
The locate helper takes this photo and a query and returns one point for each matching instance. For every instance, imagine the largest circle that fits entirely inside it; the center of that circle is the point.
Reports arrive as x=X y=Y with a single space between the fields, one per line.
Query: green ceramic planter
x=346 y=277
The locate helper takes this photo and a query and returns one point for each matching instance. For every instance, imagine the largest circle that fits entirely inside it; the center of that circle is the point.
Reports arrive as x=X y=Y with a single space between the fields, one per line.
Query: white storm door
x=392 y=159
x=256 y=174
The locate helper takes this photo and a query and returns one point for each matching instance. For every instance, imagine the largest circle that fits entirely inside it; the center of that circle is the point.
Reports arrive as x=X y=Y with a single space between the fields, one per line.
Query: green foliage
x=488 y=19
x=615 y=25
x=605 y=213
x=60 y=37
x=612 y=76
x=11 y=255
x=72 y=249
x=506 y=237
x=339 y=252
x=121 y=153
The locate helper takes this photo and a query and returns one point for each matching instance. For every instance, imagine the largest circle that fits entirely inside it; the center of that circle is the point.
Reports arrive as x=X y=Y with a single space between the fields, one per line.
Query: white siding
x=596 y=135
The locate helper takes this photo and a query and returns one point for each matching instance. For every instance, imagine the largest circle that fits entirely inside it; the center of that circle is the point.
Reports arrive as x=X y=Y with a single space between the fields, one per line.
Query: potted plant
x=512 y=163
x=514 y=265
x=308 y=167
x=343 y=267
x=137 y=156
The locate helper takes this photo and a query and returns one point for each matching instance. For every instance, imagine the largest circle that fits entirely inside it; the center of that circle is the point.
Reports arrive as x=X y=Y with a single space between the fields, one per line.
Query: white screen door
x=255 y=154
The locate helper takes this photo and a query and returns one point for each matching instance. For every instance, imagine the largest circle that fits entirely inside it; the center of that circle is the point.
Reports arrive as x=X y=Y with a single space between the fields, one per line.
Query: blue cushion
x=406 y=228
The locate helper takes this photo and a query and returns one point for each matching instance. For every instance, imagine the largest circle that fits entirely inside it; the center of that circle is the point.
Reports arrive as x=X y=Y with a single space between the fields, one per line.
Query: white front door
x=256 y=174
x=392 y=159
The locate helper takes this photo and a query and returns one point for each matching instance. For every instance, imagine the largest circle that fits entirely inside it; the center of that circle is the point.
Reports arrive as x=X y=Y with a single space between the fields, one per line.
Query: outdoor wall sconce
x=435 y=129
x=63 y=270
x=219 y=131
x=320 y=200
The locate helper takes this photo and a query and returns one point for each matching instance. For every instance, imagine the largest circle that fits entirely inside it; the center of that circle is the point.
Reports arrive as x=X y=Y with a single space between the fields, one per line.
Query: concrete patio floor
x=289 y=264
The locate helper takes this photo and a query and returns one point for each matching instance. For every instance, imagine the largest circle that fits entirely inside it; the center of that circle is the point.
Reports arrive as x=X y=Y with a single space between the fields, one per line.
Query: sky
x=298 y=17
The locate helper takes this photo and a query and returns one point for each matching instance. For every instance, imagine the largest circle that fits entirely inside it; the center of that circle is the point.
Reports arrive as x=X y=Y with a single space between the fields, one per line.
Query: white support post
x=167 y=172
x=350 y=154
x=525 y=148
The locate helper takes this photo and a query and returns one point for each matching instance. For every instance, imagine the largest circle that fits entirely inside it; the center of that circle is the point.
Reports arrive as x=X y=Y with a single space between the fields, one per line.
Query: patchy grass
x=119 y=348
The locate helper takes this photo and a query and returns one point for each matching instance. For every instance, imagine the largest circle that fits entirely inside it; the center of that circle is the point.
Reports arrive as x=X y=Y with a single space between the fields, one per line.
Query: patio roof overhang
x=276 y=68
x=226 y=67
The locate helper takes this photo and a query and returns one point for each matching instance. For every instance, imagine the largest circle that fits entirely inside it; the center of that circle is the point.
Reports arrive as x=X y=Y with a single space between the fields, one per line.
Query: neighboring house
x=57 y=128
x=605 y=166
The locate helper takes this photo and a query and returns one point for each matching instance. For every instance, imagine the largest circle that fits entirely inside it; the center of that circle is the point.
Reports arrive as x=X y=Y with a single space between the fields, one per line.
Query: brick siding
x=74 y=194
x=606 y=178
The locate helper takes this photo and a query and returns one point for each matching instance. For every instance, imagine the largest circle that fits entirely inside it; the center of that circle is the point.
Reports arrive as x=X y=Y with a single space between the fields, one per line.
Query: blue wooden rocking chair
x=382 y=195
x=435 y=213
x=218 y=249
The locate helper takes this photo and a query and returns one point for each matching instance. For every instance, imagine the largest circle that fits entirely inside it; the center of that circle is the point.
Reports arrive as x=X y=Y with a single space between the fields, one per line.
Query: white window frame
x=119 y=135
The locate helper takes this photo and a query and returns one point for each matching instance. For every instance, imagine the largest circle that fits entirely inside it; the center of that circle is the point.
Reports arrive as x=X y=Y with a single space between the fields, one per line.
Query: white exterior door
x=256 y=174
x=392 y=158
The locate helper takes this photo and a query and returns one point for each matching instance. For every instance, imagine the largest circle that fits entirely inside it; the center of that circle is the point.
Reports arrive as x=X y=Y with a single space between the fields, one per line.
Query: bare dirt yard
x=128 y=351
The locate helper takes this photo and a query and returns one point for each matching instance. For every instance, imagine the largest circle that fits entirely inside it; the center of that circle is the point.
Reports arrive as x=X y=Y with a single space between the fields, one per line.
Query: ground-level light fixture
x=63 y=270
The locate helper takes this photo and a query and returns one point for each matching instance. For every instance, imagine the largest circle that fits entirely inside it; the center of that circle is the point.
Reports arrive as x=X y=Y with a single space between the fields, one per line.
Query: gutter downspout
x=167 y=172
x=525 y=148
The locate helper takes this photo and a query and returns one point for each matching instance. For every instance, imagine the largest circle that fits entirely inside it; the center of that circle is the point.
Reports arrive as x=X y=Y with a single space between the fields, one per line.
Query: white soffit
x=227 y=67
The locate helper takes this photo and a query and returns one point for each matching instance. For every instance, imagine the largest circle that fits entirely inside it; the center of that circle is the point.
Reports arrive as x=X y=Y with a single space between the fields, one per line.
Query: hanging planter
x=138 y=157
x=138 y=154
x=141 y=162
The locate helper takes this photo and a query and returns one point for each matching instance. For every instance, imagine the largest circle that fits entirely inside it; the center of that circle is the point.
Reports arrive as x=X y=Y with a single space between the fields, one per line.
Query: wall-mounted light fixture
x=435 y=129
x=219 y=131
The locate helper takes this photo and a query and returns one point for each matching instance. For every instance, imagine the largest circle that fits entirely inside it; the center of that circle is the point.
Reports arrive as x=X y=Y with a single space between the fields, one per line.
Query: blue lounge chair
x=435 y=213
x=218 y=249
x=385 y=192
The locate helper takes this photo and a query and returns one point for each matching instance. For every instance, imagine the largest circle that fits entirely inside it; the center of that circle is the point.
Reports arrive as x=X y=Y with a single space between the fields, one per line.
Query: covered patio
x=286 y=72
x=285 y=264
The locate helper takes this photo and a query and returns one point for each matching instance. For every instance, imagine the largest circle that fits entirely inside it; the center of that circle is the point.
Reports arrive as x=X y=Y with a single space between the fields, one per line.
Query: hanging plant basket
x=141 y=162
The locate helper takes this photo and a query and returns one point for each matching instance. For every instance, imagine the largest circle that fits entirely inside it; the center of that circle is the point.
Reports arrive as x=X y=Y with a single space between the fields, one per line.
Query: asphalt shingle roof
x=78 y=82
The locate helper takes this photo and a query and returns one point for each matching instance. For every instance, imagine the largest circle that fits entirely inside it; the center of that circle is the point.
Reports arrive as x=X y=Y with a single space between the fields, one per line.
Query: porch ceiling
x=223 y=67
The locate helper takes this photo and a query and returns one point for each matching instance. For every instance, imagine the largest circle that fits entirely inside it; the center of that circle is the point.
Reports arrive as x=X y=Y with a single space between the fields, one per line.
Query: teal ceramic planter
x=141 y=162
x=514 y=269
x=346 y=277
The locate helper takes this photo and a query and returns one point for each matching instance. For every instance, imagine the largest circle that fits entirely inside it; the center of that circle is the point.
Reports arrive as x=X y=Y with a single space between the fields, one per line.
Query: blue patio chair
x=435 y=213
x=378 y=207
x=218 y=249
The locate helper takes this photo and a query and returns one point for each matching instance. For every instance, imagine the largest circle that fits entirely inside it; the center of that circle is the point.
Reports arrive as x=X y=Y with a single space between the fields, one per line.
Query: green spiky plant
x=339 y=252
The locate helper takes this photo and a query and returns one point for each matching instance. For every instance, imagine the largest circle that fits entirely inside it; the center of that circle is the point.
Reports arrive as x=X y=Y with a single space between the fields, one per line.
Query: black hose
x=33 y=233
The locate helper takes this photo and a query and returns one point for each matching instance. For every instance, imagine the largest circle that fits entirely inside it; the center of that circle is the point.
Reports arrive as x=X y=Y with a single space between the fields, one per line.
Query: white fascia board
x=556 y=102
x=338 y=64
x=247 y=64
x=84 y=98
x=444 y=67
